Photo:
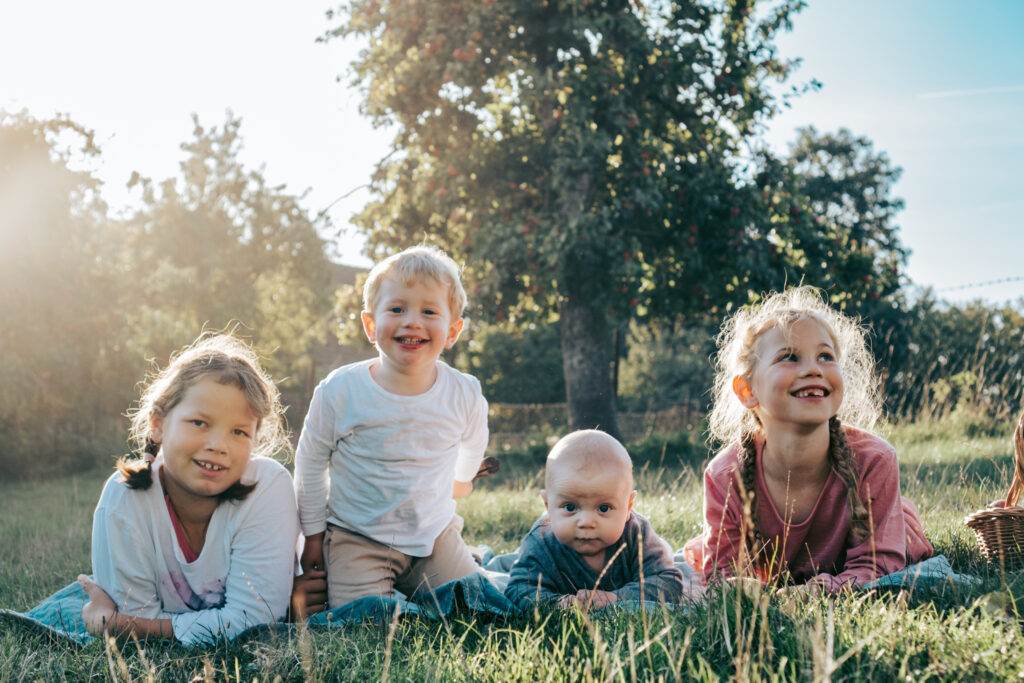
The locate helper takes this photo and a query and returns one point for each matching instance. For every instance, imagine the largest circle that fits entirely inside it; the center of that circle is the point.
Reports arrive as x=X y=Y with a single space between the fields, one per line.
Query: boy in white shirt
x=394 y=439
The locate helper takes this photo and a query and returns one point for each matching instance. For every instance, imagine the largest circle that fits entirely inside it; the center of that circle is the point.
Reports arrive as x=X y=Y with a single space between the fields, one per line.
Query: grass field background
x=957 y=633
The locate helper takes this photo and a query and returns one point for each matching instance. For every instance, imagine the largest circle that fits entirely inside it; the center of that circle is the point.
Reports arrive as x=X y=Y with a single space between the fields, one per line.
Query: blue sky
x=939 y=86
x=936 y=84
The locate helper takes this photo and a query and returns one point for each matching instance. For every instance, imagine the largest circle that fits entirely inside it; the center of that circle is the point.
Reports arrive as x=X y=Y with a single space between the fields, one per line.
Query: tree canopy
x=87 y=298
x=588 y=161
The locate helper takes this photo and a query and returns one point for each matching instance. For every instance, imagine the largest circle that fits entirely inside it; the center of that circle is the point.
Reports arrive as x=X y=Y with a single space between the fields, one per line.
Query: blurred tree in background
x=518 y=364
x=219 y=246
x=87 y=298
x=60 y=283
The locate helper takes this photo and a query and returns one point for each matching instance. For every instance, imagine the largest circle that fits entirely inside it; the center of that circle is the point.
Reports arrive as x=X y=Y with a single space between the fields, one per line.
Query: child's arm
x=662 y=580
x=472 y=445
x=723 y=521
x=124 y=574
x=312 y=480
x=885 y=548
x=100 y=616
x=312 y=557
x=488 y=466
x=309 y=595
x=532 y=577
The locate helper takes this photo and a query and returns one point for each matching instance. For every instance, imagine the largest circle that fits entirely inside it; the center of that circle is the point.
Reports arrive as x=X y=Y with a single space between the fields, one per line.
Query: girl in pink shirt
x=797 y=495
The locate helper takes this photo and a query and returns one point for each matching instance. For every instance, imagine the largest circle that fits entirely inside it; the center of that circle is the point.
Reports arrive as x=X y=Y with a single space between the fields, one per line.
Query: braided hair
x=731 y=422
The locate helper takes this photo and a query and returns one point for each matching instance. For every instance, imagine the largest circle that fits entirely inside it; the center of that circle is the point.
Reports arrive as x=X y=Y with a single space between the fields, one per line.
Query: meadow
x=954 y=632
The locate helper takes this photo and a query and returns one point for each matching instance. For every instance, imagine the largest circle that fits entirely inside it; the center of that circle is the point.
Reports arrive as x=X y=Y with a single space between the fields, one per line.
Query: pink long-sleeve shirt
x=820 y=549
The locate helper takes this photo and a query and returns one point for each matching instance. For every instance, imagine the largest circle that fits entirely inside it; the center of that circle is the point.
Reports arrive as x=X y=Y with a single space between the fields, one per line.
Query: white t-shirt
x=390 y=461
x=242 y=577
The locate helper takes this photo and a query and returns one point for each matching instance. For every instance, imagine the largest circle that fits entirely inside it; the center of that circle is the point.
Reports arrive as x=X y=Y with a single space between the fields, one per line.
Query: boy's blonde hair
x=417 y=263
x=729 y=420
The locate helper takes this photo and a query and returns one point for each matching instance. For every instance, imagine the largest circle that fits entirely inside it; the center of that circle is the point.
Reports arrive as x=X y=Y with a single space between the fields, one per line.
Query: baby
x=586 y=549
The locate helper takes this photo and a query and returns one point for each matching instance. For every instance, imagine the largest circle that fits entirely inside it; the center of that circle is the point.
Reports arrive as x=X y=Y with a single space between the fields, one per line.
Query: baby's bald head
x=587 y=449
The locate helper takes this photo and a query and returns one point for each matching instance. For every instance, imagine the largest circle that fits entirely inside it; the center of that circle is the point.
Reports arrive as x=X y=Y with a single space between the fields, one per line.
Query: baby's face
x=588 y=507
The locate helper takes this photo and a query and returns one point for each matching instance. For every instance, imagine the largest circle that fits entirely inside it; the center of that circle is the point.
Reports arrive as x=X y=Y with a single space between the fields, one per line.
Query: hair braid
x=748 y=460
x=840 y=457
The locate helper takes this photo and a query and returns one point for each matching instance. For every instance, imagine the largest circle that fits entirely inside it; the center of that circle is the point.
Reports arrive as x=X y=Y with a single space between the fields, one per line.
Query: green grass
x=965 y=634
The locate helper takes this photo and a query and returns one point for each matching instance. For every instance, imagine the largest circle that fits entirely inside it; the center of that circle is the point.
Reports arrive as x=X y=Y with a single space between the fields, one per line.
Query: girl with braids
x=195 y=540
x=800 y=494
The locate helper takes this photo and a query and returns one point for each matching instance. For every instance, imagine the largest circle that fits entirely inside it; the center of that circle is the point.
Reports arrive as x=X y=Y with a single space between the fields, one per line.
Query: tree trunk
x=587 y=363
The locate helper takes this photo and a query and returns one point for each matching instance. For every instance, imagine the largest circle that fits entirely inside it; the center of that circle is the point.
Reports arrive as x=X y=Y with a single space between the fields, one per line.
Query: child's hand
x=596 y=599
x=312 y=558
x=309 y=595
x=568 y=601
x=587 y=599
x=100 y=610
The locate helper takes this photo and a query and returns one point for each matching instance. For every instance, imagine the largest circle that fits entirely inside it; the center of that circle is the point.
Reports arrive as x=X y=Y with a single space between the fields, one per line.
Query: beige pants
x=359 y=567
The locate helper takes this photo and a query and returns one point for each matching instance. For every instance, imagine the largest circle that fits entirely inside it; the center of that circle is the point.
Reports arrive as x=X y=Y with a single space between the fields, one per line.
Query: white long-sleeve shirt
x=382 y=464
x=242 y=577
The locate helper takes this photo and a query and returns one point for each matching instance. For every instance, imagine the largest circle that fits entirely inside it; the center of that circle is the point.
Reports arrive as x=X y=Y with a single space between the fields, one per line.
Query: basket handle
x=1017 y=485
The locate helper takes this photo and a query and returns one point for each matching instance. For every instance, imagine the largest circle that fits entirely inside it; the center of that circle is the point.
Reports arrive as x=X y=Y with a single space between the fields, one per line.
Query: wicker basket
x=1000 y=531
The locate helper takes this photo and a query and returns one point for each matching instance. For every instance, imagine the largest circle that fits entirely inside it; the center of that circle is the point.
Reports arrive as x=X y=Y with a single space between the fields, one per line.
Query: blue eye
x=826 y=357
x=604 y=508
x=569 y=507
x=395 y=309
x=241 y=432
x=197 y=422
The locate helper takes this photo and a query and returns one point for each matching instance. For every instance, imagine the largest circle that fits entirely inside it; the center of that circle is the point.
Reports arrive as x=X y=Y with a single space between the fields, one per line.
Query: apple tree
x=589 y=161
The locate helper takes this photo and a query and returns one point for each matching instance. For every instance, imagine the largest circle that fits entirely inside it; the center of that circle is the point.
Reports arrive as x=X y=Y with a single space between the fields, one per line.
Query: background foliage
x=598 y=161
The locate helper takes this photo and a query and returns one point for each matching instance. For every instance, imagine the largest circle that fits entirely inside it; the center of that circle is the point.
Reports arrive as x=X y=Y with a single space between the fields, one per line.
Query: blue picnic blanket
x=60 y=614
x=935 y=572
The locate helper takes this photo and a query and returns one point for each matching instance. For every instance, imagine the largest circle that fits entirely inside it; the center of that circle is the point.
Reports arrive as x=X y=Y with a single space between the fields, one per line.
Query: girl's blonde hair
x=732 y=422
x=226 y=360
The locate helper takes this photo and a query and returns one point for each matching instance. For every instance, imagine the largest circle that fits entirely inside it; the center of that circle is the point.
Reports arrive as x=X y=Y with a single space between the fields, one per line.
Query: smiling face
x=206 y=440
x=588 y=493
x=411 y=324
x=796 y=378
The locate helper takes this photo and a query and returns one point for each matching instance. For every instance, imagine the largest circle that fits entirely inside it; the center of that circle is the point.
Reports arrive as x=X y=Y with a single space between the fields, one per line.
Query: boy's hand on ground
x=100 y=610
x=309 y=595
x=312 y=558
